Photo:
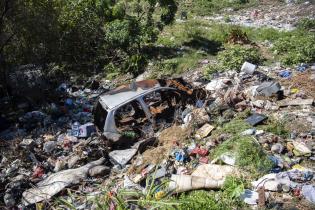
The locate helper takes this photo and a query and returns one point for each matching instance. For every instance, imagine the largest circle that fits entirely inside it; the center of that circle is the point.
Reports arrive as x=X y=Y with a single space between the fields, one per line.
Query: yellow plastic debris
x=159 y=195
x=298 y=167
x=295 y=90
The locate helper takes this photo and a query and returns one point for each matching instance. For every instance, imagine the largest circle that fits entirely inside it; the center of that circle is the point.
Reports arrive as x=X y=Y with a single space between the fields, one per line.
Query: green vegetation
x=296 y=48
x=249 y=154
x=277 y=127
x=81 y=36
x=208 y=7
x=291 y=47
x=234 y=56
x=119 y=37
x=227 y=197
x=233 y=127
x=176 y=66
x=210 y=70
x=306 y=24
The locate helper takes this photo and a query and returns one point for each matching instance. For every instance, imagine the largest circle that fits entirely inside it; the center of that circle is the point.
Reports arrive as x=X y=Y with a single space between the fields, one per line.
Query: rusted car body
x=139 y=104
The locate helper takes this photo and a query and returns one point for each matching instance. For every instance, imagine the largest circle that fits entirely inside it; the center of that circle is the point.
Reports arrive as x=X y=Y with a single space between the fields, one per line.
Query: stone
x=250 y=131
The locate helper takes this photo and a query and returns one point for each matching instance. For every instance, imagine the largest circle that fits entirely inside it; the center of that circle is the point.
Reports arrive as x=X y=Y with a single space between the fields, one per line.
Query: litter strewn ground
x=242 y=128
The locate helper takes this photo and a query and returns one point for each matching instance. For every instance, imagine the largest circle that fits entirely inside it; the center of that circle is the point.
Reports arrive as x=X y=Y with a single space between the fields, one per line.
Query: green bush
x=234 y=56
x=306 y=24
x=120 y=33
x=295 y=49
x=135 y=64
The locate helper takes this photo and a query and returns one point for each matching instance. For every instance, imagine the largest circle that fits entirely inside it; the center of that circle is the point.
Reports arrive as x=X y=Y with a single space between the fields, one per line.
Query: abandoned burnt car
x=141 y=107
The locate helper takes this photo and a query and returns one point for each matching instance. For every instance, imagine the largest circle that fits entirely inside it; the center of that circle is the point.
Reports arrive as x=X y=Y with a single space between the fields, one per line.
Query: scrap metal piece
x=255 y=119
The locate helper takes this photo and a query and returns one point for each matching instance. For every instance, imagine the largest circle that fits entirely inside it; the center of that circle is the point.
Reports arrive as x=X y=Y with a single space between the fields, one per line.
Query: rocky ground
x=247 y=139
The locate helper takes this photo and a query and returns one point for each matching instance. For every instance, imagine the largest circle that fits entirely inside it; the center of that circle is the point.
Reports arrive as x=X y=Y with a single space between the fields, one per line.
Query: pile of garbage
x=283 y=16
x=166 y=133
x=58 y=136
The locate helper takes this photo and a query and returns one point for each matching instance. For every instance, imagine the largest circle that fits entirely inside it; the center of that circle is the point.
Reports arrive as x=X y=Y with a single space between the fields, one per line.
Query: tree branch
x=5 y=9
x=6 y=42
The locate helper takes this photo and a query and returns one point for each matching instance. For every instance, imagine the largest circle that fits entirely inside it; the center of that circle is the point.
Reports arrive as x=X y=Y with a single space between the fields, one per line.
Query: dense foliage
x=82 y=35
x=235 y=55
x=295 y=49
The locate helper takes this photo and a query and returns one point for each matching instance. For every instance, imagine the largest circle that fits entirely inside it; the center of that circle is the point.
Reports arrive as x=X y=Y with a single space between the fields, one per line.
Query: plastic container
x=248 y=68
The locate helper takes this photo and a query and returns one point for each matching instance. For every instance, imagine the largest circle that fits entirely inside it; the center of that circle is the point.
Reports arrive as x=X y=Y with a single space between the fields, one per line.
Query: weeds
x=203 y=7
x=176 y=66
x=234 y=56
x=125 y=199
x=210 y=70
x=277 y=127
x=295 y=49
x=233 y=187
x=306 y=24
x=226 y=198
x=249 y=154
x=235 y=126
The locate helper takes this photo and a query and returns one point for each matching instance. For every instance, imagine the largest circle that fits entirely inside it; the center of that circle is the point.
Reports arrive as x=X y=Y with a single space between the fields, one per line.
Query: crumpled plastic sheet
x=308 y=192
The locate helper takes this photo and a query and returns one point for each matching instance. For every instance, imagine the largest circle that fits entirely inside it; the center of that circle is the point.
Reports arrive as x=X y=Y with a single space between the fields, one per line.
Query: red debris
x=204 y=160
x=38 y=172
x=297 y=192
x=199 y=151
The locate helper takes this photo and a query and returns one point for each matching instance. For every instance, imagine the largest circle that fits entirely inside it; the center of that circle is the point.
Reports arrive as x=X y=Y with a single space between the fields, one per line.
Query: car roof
x=126 y=93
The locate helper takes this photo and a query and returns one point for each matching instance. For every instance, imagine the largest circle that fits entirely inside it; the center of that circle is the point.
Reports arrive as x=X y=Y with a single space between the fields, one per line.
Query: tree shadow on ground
x=162 y=52
x=200 y=43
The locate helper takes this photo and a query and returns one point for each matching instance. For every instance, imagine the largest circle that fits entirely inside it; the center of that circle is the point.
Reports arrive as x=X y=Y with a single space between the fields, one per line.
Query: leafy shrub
x=306 y=24
x=295 y=49
x=233 y=187
x=120 y=33
x=234 y=56
x=135 y=64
